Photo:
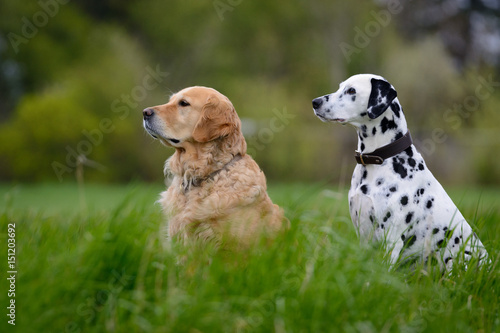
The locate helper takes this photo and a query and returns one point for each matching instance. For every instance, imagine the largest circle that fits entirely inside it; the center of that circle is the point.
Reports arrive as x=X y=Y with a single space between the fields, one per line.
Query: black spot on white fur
x=428 y=205
x=387 y=124
x=364 y=131
x=364 y=189
x=396 y=108
x=387 y=216
x=399 y=168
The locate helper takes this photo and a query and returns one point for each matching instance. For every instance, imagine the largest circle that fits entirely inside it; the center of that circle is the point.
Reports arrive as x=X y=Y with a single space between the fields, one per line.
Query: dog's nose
x=317 y=102
x=148 y=113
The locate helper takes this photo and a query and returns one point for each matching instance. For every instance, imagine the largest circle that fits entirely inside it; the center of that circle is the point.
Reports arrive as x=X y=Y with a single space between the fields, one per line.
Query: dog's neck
x=196 y=161
x=388 y=127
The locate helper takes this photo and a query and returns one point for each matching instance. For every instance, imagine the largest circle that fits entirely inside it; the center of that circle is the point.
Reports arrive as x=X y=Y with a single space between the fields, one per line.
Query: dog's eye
x=351 y=91
x=183 y=103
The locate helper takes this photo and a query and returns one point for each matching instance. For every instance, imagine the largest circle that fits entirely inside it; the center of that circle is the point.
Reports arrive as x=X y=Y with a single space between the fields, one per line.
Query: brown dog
x=218 y=192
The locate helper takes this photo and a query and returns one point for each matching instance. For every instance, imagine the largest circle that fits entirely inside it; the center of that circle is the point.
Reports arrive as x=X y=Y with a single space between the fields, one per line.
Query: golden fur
x=218 y=192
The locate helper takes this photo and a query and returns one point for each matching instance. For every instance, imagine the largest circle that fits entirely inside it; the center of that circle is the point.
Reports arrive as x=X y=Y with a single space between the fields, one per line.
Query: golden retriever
x=218 y=192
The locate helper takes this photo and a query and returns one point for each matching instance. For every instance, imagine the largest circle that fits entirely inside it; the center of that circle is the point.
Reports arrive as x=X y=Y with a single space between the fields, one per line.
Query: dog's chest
x=177 y=199
x=399 y=192
x=397 y=174
x=380 y=182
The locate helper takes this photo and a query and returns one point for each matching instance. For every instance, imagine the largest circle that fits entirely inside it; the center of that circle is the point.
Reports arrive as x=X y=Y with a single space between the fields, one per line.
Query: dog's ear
x=381 y=97
x=218 y=119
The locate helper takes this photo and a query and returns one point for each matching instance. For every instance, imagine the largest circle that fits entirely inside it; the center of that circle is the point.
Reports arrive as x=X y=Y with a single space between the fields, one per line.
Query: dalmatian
x=394 y=198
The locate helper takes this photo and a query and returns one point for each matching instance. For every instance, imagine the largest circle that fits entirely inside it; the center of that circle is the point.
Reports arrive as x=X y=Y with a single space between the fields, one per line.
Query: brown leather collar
x=196 y=182
x=379 y=155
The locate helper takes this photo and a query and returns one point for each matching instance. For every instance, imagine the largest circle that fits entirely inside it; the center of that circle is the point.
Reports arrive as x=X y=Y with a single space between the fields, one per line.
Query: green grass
x=100 y=265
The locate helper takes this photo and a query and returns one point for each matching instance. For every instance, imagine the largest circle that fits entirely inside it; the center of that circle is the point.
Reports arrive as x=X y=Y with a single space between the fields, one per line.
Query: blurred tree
x=105 y=10
x=36 y=137
x=470 y=30
x=87 y=63
x=36 y=46
x=90 y=109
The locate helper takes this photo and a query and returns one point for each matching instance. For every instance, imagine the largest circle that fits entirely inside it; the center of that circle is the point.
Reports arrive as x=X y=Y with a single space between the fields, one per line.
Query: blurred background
x=76 y=75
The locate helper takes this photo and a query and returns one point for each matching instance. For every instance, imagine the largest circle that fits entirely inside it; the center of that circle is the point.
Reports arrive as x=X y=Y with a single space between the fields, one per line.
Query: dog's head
x=195 y=114
x=360 y=99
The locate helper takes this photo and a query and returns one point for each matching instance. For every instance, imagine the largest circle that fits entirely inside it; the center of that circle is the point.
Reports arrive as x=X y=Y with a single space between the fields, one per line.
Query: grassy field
x=97 y=263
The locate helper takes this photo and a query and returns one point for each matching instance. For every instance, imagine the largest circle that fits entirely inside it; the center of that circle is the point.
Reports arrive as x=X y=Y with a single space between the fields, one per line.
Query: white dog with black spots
x=399 y=201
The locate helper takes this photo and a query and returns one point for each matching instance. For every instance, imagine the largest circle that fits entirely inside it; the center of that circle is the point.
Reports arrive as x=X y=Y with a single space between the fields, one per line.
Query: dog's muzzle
x=148 y=124
x=317 y=103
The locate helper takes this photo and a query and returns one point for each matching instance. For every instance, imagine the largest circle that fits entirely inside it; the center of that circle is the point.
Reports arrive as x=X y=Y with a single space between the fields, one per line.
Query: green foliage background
x=91 y=57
